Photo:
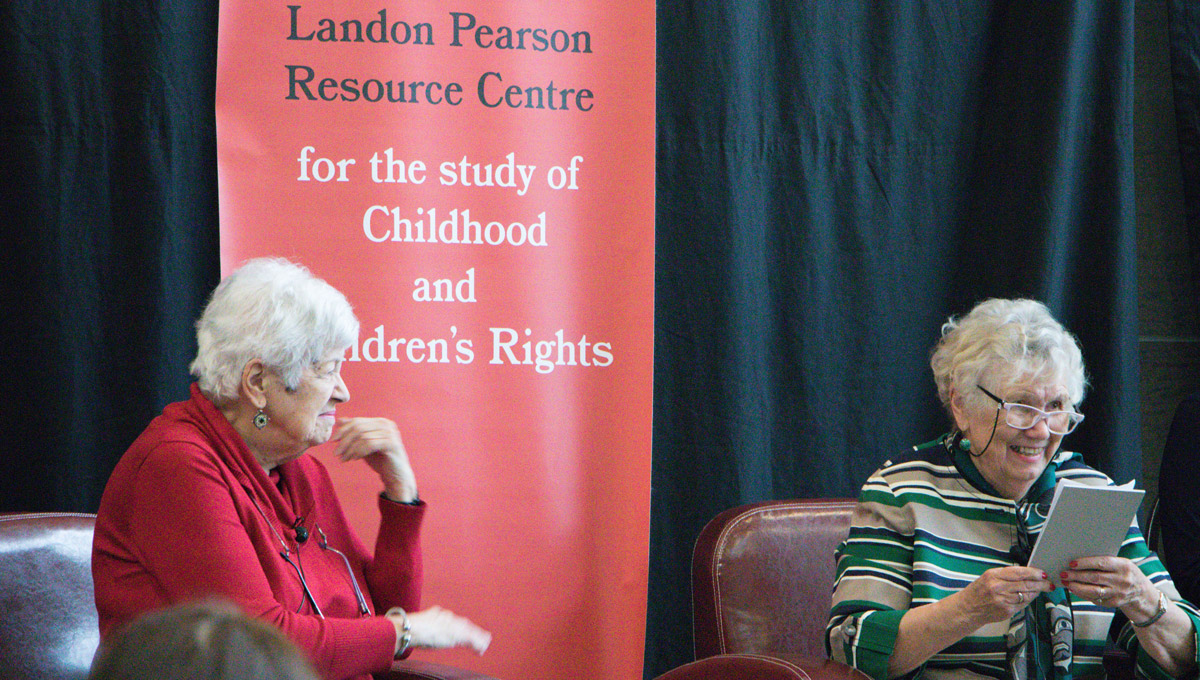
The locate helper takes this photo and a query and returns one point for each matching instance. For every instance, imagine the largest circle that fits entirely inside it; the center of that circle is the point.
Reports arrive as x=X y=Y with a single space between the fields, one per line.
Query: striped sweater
x=924 y=530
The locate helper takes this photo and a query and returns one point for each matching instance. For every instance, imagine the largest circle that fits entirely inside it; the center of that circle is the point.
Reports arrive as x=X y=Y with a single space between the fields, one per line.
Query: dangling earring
x=261 y=419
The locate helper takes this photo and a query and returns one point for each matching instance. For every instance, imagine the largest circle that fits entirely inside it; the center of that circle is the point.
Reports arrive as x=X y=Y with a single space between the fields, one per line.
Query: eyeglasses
x=286 y=554
x=301 y=537
x=1023 y=416
x=363 y=609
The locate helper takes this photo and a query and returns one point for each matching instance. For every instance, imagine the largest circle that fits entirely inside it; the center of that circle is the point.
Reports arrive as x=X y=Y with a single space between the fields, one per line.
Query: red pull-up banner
x=478 y=179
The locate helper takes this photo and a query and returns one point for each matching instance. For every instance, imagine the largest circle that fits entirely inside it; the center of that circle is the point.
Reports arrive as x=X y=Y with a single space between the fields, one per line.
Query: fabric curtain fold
x=108 y=189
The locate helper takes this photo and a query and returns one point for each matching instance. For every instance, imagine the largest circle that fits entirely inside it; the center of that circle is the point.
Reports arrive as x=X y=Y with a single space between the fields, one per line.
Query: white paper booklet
x=1084 y=521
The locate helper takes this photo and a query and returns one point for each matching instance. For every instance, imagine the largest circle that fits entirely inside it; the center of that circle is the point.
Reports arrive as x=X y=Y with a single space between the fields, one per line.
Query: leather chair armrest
x=411 y=669
x=760 y=667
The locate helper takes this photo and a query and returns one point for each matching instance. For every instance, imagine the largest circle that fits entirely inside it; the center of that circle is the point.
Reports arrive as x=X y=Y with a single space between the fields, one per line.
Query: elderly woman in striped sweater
x=932 y=581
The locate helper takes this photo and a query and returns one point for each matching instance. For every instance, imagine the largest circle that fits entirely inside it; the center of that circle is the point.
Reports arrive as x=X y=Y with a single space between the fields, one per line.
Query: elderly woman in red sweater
x=217 y=496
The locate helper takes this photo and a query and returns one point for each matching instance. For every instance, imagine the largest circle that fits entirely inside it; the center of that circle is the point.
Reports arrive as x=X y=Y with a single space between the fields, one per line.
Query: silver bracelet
x=1162 y=609
x=405 y=631
x=404 y=642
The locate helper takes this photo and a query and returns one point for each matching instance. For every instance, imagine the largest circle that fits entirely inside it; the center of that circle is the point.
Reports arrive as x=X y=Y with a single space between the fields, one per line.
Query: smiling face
x=305 y=416
x=1015 y=458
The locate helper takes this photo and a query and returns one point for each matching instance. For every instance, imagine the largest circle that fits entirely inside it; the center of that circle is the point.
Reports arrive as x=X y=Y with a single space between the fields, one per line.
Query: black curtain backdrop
x=834 y=179
x=108 y=194
x=1184 y=20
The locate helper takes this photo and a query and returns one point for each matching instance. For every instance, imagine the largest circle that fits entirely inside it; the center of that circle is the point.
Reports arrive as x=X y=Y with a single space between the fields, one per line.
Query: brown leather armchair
x=50 y=628
x=761 y=581
x=760 y=667
x=762 y=576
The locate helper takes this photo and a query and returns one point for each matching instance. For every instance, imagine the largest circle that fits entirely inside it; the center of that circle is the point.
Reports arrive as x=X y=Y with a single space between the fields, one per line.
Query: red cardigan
x=189 y=513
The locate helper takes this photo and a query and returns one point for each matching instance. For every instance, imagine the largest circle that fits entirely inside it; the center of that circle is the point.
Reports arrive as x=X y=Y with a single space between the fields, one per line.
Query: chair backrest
x=762 y=577
x=48 y=627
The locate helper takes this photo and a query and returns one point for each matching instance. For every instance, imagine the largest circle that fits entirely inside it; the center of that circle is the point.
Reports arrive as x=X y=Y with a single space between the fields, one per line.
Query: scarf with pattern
x=1040 y=637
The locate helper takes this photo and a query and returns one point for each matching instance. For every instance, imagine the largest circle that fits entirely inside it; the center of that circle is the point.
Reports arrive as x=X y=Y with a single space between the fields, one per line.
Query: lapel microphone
x=301 y=530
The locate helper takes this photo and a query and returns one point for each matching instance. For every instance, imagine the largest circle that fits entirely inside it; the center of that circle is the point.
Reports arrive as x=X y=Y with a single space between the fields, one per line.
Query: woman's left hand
x=1170 y=639
x=1113 y=582
x=377 y=441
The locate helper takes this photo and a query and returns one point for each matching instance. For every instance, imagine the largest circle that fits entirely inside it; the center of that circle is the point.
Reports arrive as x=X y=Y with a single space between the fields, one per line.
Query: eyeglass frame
x=323 y=543
x=1042 y=415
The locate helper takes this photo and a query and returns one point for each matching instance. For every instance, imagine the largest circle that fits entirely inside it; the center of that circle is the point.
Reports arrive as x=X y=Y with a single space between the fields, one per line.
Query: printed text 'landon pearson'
x=491 y=90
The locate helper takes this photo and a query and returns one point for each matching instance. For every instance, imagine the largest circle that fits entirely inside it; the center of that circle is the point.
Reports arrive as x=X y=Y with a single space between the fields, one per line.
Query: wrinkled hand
x=1113 y=582
x=377 y=441
x=438 y=628
x=1001 y=592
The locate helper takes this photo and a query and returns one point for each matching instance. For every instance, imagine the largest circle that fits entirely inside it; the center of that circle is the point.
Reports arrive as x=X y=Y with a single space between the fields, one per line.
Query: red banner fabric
x=477 y=178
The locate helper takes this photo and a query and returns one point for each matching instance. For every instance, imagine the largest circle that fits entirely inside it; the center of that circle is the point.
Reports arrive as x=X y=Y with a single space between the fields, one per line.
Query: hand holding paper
x=1084 y=521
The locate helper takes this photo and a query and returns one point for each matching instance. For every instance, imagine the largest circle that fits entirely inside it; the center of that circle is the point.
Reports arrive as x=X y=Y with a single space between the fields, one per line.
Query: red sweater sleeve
x=180 y=527
x=395 y=574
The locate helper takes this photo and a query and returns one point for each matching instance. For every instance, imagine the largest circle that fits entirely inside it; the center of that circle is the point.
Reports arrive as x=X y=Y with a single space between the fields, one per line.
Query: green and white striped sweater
x=923 y=530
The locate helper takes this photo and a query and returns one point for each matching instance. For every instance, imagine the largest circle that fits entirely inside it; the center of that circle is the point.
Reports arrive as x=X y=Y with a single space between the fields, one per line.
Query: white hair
x=273 y=310
x=1006 y=341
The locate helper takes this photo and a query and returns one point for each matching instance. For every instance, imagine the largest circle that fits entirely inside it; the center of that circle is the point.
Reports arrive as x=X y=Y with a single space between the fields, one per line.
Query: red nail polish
x=1063 y=577
x=1044 y=576
x=1074 y=564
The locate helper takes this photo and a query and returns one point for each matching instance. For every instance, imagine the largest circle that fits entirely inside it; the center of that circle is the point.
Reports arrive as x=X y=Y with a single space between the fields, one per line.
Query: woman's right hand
x=1001 y=592
x=377 y=441
x=995 y=596
x=438 y=628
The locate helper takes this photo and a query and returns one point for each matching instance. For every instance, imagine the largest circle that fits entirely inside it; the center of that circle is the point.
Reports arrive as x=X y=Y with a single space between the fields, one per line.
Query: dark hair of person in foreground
x=207 y=640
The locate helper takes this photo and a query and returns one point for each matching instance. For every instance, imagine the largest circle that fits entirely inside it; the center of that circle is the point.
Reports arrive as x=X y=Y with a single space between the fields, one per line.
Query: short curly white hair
x=1002 y=342
x=273 y=310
